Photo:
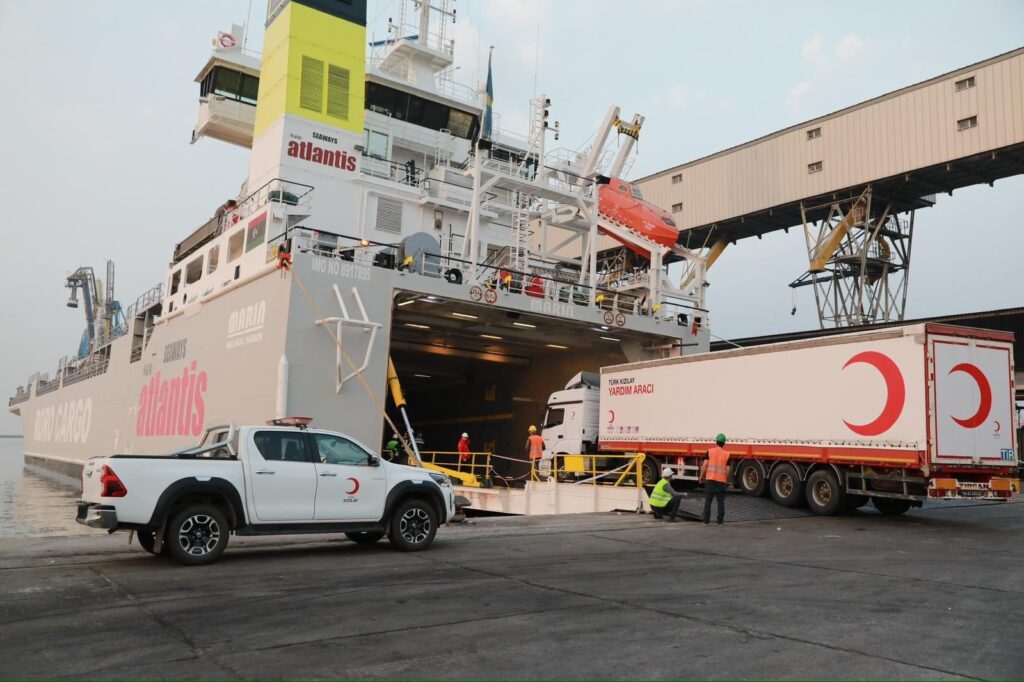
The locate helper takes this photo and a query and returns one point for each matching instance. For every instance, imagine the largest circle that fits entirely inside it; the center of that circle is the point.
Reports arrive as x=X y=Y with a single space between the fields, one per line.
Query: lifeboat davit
x=622 y=202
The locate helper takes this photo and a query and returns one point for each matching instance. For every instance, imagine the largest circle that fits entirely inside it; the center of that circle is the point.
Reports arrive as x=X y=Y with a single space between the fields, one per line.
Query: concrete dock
x=936 y=594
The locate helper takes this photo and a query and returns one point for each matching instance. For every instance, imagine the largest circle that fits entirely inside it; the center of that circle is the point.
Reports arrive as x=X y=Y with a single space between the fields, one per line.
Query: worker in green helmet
x=391 y=449
x=714 y=473
x=664 y=500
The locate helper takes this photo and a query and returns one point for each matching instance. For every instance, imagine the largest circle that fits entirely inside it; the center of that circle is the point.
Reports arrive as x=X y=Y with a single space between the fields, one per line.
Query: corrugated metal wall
x=912 y=128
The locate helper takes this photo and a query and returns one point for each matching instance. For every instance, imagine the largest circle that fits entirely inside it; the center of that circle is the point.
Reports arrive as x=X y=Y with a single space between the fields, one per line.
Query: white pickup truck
x=263 y=480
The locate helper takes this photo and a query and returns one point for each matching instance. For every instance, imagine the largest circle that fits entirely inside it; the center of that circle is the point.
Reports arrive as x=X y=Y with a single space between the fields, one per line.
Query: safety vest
x=718 y=465
x=536 y=446
x=660 y=497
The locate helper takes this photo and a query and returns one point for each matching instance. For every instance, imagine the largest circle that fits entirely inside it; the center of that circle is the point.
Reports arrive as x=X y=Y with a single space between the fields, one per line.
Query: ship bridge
x=853 y=179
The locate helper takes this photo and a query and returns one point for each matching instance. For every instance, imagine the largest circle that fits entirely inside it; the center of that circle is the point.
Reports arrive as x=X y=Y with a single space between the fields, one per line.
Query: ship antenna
x=245 y=31
x=536 y=58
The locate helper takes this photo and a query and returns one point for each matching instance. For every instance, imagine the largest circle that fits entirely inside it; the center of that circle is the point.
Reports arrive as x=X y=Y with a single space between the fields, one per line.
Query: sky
x=99 y=105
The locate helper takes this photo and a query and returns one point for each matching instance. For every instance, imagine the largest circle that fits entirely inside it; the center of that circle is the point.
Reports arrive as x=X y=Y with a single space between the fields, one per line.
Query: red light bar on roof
x=300 y=422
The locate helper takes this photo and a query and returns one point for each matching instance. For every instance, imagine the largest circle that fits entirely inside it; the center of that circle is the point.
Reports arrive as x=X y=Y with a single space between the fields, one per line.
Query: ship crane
x=99 y=307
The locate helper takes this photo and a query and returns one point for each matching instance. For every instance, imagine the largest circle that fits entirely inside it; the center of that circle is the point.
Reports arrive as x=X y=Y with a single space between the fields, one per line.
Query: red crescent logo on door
x=611 y=416
x=896 y=393
x=984 y=404
x=354 y=490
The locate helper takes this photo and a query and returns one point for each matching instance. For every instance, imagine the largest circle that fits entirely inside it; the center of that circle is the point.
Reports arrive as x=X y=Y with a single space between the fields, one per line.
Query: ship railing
x=394 y=171
x=614 y=470
x=277 y=191
x=473 y=469
x=540 y=282
x=455 y=193
x=44 y=387
x=449 y=87
x=147 y=300
x=20 y=396
x=87 y=370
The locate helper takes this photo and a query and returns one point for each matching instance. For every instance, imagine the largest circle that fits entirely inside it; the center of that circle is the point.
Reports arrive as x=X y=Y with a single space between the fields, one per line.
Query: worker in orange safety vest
x=534 y=444
x=714 y=473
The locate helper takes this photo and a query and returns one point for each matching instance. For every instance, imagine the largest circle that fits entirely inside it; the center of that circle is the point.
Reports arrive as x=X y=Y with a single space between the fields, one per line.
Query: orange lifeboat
x=622 y=202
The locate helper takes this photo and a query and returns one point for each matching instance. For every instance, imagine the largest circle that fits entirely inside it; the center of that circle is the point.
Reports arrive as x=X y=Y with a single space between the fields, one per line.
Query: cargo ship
x=387 y=218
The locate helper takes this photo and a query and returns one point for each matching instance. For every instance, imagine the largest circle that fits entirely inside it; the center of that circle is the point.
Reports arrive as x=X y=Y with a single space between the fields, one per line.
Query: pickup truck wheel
x=785 y=485
x=197 y=535
x=413 y=526
x=890 y=506
x=825 y=496
x=751 y=480
x=364 y=538
x=147 y=540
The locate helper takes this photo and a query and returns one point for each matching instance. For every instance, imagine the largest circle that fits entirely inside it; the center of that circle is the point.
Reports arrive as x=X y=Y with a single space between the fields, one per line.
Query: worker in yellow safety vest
x=664 y=500
x=534 y=444
x=714 y=473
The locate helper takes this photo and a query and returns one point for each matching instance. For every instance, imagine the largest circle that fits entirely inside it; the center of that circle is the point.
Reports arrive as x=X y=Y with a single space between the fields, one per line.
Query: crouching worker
x=665 y=500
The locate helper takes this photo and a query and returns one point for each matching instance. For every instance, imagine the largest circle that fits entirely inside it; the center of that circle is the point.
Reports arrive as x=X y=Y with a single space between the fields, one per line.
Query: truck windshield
x=555 y=417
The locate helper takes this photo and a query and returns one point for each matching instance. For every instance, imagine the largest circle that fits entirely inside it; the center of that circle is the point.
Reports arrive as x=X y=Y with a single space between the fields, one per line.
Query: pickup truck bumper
x=96 y=516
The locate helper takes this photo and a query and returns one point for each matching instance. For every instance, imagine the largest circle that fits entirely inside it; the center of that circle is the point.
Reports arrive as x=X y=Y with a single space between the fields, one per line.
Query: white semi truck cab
x=571 y=421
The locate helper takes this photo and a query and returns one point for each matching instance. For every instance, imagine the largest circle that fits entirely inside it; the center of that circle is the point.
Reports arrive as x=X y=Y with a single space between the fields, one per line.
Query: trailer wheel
x=750 y=478
x=856 y=501
x=825 y=496
x=785 y=485
x=651 y=471
x=890 y=506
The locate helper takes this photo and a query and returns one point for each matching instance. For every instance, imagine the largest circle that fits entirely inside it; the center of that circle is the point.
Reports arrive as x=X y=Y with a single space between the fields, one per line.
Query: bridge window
x=235 y=244
x=420 y=111
x=194 y=270
x=230 y=84
x=677 y=178
x=677 y=208
x=967 y=123
x=211 y=262
x=814 y=167
x=175 y=282
x=813 y=133
x=636 y=192
x=965 y=83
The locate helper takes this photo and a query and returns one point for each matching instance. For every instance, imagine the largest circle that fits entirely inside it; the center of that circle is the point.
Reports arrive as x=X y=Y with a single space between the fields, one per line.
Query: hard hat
x=720 y=439
x=465 y=435
x=666 y=472
x=532 y=428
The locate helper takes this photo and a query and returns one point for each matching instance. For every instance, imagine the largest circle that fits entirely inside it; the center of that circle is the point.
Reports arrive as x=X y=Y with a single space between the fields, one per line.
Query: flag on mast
x=489 y=99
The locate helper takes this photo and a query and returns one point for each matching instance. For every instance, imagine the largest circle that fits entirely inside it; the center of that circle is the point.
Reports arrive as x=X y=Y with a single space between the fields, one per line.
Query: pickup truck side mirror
x=372 y=460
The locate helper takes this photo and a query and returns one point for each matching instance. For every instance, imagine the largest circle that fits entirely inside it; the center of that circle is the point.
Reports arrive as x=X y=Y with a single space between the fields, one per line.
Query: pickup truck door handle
x=265 y=471
x=328 y=473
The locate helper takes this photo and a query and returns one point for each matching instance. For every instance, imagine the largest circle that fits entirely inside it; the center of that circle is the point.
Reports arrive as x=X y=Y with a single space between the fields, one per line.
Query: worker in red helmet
x=463 y=448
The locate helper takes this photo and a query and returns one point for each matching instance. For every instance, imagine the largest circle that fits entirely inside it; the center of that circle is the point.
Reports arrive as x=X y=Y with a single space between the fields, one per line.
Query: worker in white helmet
x=464 y=448
x=664 y=499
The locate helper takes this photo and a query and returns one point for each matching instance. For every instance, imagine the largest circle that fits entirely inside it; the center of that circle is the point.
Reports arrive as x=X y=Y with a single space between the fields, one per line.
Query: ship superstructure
x=481 y=262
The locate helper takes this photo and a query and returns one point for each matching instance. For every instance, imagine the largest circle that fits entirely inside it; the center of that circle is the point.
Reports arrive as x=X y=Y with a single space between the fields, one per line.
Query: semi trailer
x=896 y=416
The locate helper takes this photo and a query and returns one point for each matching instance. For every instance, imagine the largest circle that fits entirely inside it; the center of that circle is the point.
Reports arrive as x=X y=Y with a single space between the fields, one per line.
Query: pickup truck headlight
x=440 y=479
